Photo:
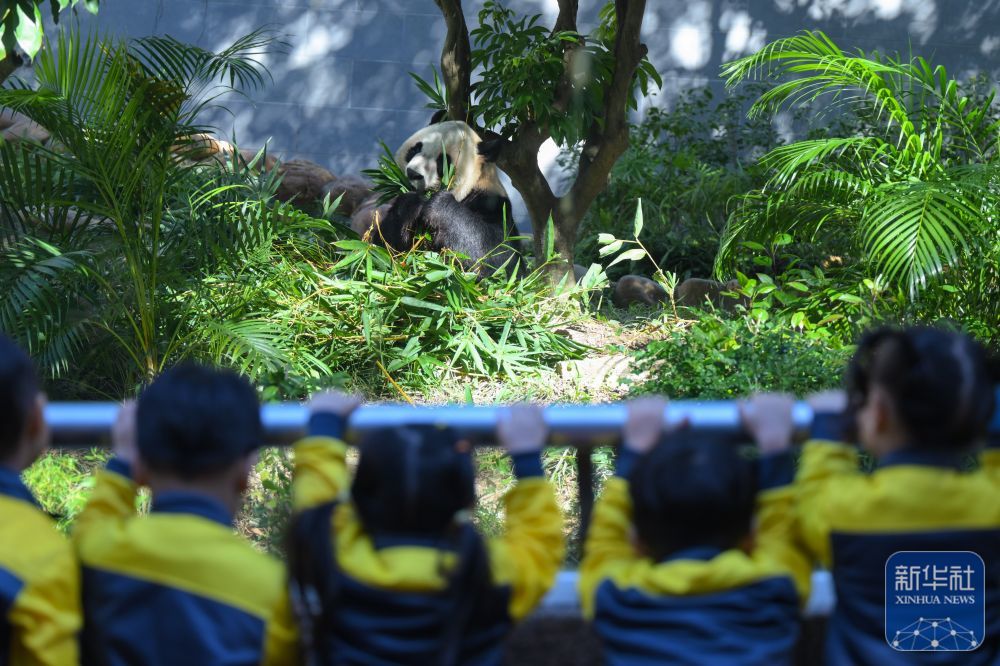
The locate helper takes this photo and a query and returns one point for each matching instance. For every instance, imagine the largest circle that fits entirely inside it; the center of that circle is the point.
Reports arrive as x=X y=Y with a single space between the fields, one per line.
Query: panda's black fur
x=475 y=226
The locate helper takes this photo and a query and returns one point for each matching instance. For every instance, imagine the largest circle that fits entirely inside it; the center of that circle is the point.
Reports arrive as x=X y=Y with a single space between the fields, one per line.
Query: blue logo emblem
x=935 y=601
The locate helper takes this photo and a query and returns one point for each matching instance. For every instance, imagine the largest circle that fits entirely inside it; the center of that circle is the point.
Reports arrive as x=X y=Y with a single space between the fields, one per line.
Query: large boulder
x=267 y=161
x=698 y=292
x=637 y=289
x=353 y=190
x=366 y=215
x=302 y=181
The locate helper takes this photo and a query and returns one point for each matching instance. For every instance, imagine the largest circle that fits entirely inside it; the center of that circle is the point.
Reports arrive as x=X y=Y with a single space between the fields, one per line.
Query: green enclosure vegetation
x=121 y=255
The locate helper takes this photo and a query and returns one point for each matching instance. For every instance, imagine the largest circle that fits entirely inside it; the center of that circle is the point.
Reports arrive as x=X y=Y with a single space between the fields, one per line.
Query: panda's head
x=422 y=157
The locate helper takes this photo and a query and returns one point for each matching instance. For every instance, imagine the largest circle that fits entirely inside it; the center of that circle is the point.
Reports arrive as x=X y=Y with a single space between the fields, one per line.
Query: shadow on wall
x=690 y=39
x=343 y=82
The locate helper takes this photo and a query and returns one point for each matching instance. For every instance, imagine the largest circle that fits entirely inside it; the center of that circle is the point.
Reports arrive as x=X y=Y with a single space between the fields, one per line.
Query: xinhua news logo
x=935 y=601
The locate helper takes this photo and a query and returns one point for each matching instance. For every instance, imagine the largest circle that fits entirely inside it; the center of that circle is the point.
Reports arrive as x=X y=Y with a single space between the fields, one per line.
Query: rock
x=355 y=192
x=7 y=119
x=267 y=162
x=17 y=127
x=695 y=292
x=302 y=181
x=637 y=289
x=364 y=217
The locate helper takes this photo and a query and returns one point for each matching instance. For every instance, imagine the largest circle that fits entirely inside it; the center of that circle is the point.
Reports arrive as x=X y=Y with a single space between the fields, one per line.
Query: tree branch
x=568 y=9
x=456 y=59
x=566 y=22
x=9 y=64
x=606 y=143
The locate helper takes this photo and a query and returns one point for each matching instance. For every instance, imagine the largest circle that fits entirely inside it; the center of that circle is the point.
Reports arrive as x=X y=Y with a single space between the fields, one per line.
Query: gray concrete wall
x=343 y=83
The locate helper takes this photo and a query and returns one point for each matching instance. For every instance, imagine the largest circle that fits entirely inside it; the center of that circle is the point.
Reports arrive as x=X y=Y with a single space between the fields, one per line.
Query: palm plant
x=914 y=194
x=110 y=234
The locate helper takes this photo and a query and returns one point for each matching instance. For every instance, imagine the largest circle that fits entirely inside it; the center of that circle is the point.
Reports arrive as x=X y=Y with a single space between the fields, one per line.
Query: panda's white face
x=423 y=156
x=425 y=166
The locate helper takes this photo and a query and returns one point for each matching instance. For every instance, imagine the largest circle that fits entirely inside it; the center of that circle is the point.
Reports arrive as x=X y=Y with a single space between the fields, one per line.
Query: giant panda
x=471 y=217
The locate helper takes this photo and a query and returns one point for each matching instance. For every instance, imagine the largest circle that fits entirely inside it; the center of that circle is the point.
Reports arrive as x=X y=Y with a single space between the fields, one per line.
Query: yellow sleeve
x=111 y=503
x=282 y=641
x=777 y=537
x=989 y=461
x=320 y=471
x=46 y=616
x=530 y=553
x=822 y=470
x=608 y=547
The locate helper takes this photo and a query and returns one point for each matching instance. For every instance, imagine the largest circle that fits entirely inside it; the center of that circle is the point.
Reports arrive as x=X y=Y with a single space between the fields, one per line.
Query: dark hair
x=18 y=391
x=692 y=490
x=938 y=381
x=412 y=481
x=194 y=421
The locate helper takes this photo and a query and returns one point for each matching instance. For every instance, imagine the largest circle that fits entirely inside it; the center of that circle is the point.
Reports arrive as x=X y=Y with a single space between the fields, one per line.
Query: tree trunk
x=606 y=140
x=455 y=59
x=8 y=65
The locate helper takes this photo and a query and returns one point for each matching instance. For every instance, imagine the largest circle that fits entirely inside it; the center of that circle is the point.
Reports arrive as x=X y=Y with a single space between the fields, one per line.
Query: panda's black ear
x=491 y=145
x=439 y=116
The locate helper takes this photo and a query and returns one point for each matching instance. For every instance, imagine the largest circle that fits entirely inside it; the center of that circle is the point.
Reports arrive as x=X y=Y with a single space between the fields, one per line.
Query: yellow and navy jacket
x=392 y=602
x=39 y=583
x=852 y=523
x=701 y=605
x=177 y=586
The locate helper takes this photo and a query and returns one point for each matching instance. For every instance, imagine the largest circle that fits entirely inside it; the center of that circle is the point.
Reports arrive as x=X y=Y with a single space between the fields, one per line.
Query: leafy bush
x=915 y=189
x=685 y=164
x=121 y=257
x=723 y=358
x=109 y=231
x=523 y=74
x=62 y=482
x=422 y=315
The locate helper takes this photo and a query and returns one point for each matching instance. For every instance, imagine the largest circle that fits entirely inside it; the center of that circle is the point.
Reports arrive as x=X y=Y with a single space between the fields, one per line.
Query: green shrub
x=719 y=357
x=62 y=482
x=913 y=187
x=685 y=164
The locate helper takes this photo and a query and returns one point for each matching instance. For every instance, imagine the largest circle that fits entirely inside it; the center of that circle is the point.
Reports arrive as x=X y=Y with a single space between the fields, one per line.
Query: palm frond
x=820 y=70
x=254 y=346
x=913 y=230
x=35 y=279
x=240 y=64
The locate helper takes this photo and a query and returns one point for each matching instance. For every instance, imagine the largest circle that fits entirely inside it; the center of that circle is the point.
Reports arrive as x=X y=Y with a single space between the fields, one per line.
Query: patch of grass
x=61 y=482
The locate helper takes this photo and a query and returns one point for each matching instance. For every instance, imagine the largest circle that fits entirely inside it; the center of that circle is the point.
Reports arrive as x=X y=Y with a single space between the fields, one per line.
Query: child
x=39 y=579
x=394 y=573
x=918 y=401
x=179 y=586
x=672 y=570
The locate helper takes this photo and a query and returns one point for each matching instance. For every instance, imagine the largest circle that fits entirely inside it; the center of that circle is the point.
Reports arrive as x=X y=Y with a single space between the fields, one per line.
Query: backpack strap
x=312 y=566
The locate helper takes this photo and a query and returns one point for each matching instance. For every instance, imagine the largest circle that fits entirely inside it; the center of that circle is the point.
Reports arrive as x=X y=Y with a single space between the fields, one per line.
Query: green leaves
x=523 y=76
x=902 y=188
x=131 y=230
x=21 y=22
x=29 y=31
x=919 y=229
x=388 y=179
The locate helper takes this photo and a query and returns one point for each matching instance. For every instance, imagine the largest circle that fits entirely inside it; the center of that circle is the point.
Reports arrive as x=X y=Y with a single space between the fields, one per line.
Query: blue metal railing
x=76 y=424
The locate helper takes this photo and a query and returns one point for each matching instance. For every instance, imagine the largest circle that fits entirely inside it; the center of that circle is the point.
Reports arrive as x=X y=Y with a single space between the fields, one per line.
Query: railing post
x=585 y=486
